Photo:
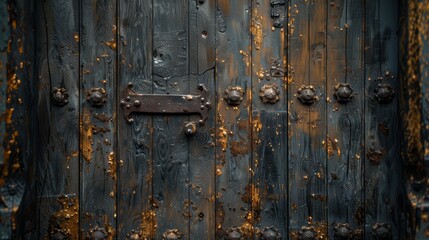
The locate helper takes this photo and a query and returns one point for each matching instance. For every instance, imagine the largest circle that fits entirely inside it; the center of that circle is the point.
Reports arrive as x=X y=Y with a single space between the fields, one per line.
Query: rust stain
x=331 y=146
x=383 y=128
x=149 y=224
x=375 y=156
x=86 y=135
x=239 y=147
x=64 y=222
x=111 y=44
x=111 y=165
x=256 y=29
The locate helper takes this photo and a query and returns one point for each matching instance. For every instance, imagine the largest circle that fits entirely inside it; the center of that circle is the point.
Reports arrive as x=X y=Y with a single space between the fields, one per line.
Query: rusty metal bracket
x=166 y=103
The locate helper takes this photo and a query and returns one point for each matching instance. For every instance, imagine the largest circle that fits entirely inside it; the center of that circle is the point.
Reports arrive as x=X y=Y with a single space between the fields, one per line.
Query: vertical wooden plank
x=269 y=113
x=298 y=123
x=383 y=189
x=202 y=19
x=98 y=45
x=316 y=163
x=234 y=188
x=307 y=155
x=170 y=144
x=345 y=117
x=57 y=146
x=135 y=205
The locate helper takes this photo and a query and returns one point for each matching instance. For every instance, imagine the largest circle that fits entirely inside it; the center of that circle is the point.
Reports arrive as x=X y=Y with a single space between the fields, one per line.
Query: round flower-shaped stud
x=172 y=234
x=342 y=231
x=269 y=93
x=270 y=233
x=381 y=231
x=134 y=235
x=97 y=233
x=343 y=92
x=307 y=233
x=234 y=233
x=59 y=234
x=307 y=95
x=384 y=93
x=97 y=97
x=234 y=95
x=60 y=96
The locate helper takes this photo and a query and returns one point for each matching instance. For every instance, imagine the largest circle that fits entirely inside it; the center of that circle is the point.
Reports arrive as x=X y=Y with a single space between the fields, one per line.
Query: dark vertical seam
x=118 y=86
x=188 y=32
x=363 y=157
x=80 y=113
x=326 y=115
x=286 y=50
x=215 y=120
x=150 y=161
x=252 y=179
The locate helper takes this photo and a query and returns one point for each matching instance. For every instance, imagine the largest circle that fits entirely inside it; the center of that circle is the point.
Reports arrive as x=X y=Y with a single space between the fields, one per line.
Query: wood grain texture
x=135 y=142
x=202 y=33
x=298 y=131
x=234 y=189
x=269 y=143
x=170 y=144
x=56 y=65
x=345 y=120
x=98 y=46
x=382 y=189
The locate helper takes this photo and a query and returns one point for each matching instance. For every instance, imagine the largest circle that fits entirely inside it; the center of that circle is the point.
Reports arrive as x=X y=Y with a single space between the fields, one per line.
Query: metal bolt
x=234 y=95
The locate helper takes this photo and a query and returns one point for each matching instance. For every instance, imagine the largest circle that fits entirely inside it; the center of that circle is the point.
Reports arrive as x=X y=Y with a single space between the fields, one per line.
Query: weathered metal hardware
x=190 y=128
x=166 y=103
x=97 y=233
x=269 y=93
x=234 y=233
x=278 y=12
x=172 y=234
x=307 y=95
x=276 y=69
x=381 y=231
x=134 y=235
x=60 y=97
x=97 y=97
x=342 y=231
x=343 y=92
x=384 y=93
x=234 y=95
x=59 y=234
x=270 y=233
x=307 y=233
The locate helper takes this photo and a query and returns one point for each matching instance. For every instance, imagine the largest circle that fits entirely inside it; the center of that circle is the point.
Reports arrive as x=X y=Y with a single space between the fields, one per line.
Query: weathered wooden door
x=252 y=119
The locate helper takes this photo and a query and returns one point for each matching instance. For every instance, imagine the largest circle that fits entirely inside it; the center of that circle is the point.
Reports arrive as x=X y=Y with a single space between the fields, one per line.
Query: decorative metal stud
x=234 y=95
x=172 y=234
x=97 y=97
x=381 y=231
x=97 y=233
x=342 y=231
x=134 y=235
x=384 y=93
x=278 y=12
x=234 y=233
x=269 y=233
x=60 y=97
x=307 y=233
x=59 y=234
x=358 y=233
x=269 y=93
x=343 y=92
x=190 y=128
x=307 y=95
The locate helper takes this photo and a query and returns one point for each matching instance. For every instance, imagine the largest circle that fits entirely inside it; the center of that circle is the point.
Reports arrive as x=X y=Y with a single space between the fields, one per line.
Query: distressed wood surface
x=202 y=33
x=345 y=120
x=269 y=120
x=382 y=189
x=57 y=150
x=234 y=189
x=252 y=169
x=98 y=46
x=135 y=141
x=171 y=146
